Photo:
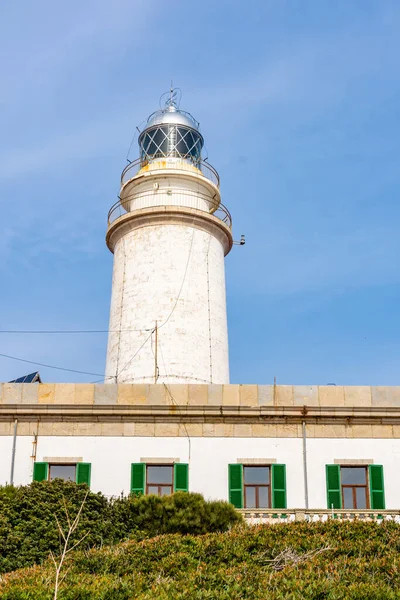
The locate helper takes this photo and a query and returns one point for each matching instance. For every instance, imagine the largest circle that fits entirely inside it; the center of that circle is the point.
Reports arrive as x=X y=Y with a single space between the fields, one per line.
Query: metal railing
x=187 y=199
x=269 y=516
x=180 y=164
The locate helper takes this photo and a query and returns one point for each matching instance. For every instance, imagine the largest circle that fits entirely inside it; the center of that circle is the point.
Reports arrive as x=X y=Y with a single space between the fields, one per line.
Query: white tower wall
x=173 y=274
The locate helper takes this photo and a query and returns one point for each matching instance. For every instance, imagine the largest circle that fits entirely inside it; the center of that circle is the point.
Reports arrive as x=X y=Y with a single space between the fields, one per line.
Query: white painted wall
x=111 y=458
x=149 y=268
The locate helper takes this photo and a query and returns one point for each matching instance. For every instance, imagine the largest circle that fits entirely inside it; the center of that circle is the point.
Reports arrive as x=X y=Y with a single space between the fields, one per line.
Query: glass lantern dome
x=171 y=132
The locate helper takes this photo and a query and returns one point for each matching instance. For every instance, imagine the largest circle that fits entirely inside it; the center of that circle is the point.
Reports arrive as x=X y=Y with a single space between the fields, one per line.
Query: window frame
x=257 y=486
x=353 y=487
x=50 y=464
x=159 y=485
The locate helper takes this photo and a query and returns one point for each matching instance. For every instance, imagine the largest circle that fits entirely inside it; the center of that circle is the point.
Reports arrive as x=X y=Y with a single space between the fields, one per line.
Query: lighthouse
x=169 y=233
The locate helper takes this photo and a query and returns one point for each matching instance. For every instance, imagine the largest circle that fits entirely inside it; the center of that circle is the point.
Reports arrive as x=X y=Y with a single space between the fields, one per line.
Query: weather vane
x=171 y=98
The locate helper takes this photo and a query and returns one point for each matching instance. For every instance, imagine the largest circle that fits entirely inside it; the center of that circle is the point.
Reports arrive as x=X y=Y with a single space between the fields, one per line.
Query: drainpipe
x=305 y=464
x=13 y=452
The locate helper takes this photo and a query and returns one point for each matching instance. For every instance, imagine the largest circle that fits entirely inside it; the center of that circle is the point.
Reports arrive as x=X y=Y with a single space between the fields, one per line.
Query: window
x=79 y=472
x=159 y=480
x=257 y=489
x=257 y=486
x=354 y=487
x=65 y=472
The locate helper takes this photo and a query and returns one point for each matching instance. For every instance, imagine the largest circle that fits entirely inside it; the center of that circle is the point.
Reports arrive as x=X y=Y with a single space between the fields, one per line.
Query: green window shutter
x=83 y=472
x=181 y=477
x=40 y=471
x=278 y=480
x=333 y=486
x=138 y=478
x=235 y=476
x=376 y=487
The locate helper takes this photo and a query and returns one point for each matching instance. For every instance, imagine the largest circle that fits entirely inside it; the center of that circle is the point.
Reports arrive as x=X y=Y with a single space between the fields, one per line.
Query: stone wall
x=200 y=395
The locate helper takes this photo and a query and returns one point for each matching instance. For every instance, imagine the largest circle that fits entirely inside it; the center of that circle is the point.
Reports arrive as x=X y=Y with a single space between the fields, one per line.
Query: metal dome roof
x=172 y=116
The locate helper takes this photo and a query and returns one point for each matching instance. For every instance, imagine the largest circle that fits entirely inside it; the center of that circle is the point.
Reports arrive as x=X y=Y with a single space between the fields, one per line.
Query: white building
x=167 y=418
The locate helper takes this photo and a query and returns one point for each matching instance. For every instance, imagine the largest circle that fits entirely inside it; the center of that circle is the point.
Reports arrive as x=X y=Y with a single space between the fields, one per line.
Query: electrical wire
x=134 y=356
x=175 y=404
x=39 y=364
x=68 y=331
x=182 y=284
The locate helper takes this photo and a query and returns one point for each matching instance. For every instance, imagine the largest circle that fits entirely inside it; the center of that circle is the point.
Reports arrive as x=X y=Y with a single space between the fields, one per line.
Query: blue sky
x=299 y=104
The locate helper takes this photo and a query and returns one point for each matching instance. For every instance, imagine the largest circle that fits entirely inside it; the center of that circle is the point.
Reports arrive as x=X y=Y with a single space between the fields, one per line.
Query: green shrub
x=28 y=529
x=181 y=512
x=362 y=563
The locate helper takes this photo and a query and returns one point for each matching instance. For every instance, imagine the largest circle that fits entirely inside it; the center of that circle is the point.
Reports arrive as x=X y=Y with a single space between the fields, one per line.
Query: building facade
x=260 y=447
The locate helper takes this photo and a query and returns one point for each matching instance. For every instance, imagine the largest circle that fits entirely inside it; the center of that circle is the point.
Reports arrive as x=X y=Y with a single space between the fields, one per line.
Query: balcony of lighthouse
x=169 y=182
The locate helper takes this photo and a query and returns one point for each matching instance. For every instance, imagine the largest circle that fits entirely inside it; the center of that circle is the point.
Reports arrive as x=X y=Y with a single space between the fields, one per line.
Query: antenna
x=171 y=98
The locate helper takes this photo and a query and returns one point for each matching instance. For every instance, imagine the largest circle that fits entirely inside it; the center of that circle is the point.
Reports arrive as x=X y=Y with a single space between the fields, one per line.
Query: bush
x=361 y=563
x=180 y=513
x=28 y=528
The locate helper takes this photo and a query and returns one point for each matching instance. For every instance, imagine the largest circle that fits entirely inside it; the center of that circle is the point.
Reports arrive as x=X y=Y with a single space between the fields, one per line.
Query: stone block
x=396 y=431
x=382 y=431
x=24 y=428
x=248 y=395
x=242 y=430
x=66 y=428
x=84 y=393
x=259 y=430
x=129 y=429
x=359 y=431
x=265 y=395
x=329 y=430
x=45 y=428
x=140 y=392
x=105 y=393
x=46 y=393
x=385 y=396
x=191 y=430
x=109 y=429
x=283 y=395
x=158 y=395
x=144 y=429
x=12 y=393
x=310 y=430
x=223 y=429
x=198 y=394
x=357 y=395
x=30 y=393
x=6 y=428
x=179 y=393
x=87 y=429
x=215 y=394
x=331 y=395
x=286 y=431
x=305 y=395
x=64 y=393
x=230 y=395
x=208 y=429
x=125 y=394
x=166 y=429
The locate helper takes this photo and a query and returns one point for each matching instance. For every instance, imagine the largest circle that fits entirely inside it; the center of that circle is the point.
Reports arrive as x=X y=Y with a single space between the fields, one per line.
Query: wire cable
x=134 y=356
x=39 y=364
x=182 y=284
x=68 y=331
x=176 y=404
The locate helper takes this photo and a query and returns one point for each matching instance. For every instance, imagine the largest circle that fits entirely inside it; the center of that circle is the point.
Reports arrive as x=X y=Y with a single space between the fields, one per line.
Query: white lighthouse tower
x=169 y=234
